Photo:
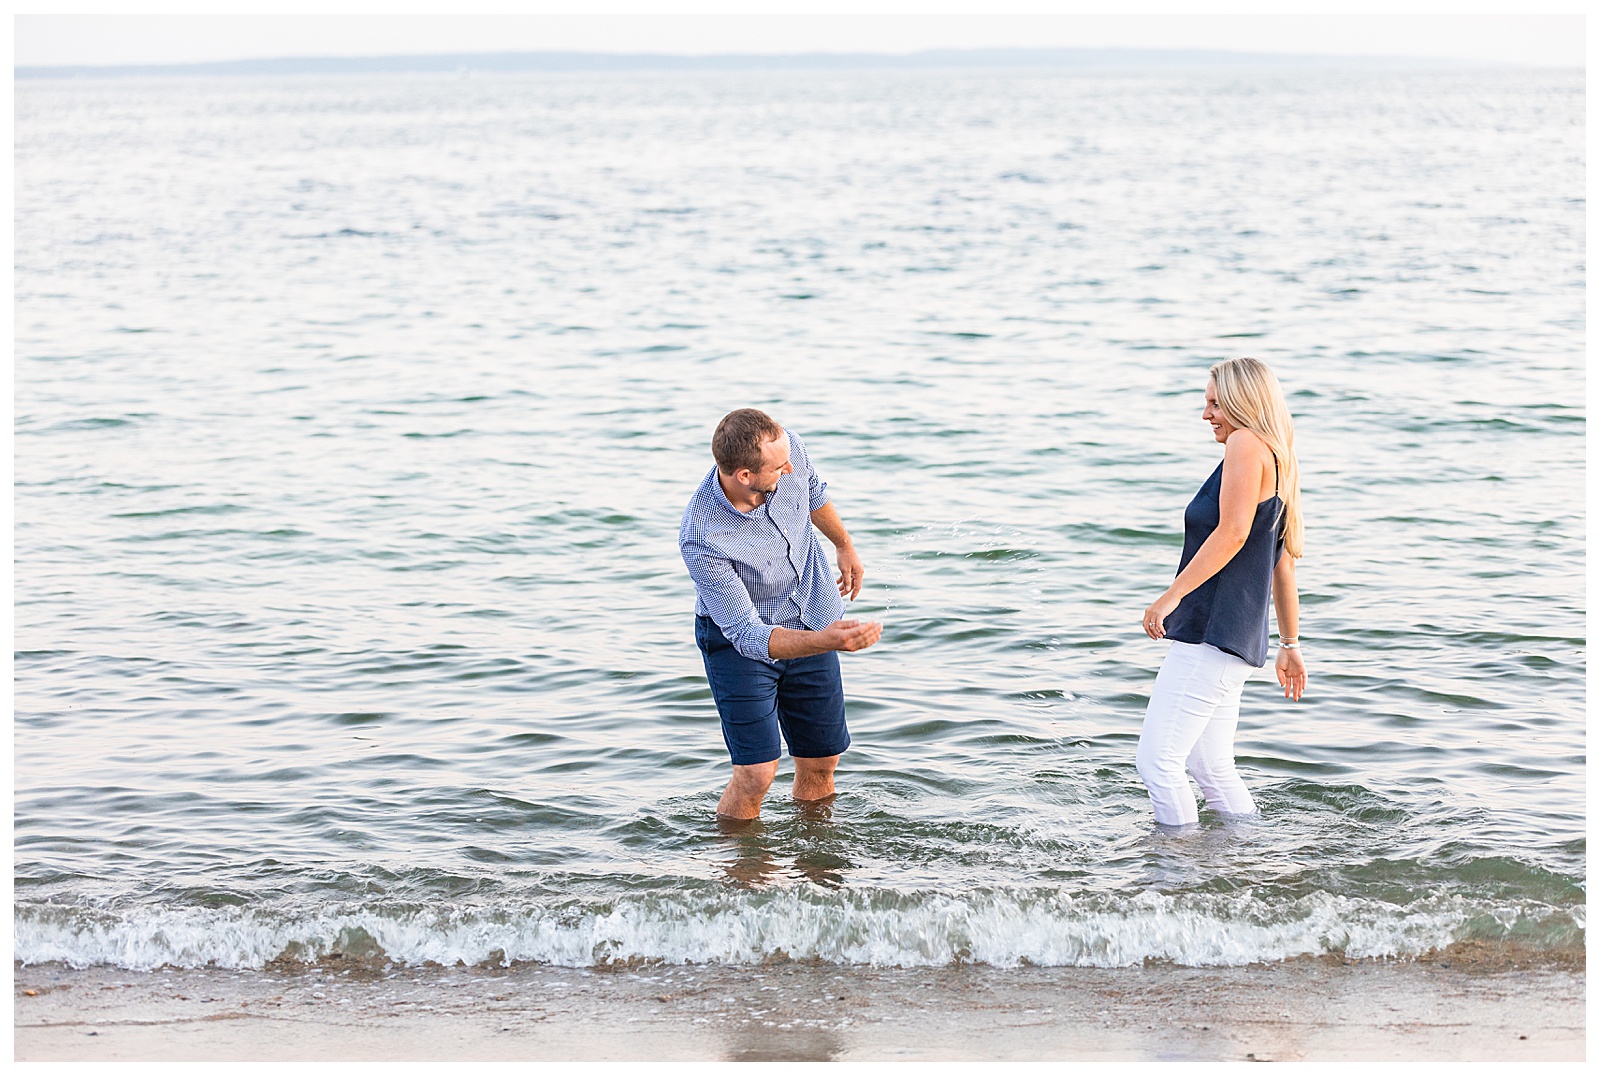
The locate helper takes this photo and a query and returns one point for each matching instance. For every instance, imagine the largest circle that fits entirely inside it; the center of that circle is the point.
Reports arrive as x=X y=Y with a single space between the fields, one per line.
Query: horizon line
x=578 y=60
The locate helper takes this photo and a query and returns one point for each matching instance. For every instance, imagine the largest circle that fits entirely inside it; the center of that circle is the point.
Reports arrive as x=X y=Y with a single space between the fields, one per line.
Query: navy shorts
x=804 y=698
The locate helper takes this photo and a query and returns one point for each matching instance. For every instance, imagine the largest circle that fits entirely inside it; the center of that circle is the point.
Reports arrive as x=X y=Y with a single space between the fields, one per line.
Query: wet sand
x=1454 y=1008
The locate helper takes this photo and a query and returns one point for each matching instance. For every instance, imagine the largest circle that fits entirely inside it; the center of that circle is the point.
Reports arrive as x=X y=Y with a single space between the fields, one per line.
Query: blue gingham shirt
x=763 y=569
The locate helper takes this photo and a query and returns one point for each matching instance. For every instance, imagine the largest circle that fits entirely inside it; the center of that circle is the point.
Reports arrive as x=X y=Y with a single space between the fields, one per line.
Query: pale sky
x=43 y=40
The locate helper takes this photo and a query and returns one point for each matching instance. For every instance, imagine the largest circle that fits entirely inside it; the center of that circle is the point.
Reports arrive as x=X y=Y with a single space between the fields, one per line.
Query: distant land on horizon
x=586 y=61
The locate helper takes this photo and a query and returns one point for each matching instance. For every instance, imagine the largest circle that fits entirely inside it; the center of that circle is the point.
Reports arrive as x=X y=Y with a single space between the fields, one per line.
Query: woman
x=1241 y=535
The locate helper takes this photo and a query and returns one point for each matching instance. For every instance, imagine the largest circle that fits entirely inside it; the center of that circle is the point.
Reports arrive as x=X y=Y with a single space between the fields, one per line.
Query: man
x=767 y=622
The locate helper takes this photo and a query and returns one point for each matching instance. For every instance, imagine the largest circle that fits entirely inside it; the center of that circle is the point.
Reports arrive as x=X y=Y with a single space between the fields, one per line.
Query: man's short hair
x=737 y=442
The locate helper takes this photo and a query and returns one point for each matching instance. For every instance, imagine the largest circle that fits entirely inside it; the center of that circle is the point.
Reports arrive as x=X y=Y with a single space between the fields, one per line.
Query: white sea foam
x=1004 y=929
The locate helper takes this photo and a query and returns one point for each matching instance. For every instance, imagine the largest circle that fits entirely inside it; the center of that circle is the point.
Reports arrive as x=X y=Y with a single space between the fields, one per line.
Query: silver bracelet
x=1288 y=644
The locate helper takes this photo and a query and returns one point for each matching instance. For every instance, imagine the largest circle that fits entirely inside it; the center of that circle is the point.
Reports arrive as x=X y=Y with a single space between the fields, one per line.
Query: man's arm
x=846 y=635
x=851 y=572
x=727 y=601
x=826 y=519
x=735 y=615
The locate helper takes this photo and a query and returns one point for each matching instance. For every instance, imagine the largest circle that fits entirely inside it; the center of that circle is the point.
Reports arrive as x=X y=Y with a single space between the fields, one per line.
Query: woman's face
x=1220 y=427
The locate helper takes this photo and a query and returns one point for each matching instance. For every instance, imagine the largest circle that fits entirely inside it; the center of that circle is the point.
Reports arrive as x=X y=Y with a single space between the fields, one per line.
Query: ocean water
x=356 y=415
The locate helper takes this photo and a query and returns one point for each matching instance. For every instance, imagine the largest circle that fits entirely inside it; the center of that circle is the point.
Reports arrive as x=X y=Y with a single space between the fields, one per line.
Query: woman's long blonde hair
x=1250 y=395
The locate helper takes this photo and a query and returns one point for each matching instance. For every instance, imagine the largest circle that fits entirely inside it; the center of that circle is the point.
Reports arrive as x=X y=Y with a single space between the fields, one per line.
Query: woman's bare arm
x=1291 y=666
x=1242 y=465
x=1286 y=599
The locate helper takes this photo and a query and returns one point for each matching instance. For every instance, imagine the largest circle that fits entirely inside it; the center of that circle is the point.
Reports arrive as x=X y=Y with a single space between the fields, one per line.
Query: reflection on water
x=1188 y=856
x=756 y=862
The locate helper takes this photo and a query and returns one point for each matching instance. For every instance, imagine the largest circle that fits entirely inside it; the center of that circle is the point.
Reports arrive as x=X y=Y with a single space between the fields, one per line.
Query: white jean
x=1189 y=725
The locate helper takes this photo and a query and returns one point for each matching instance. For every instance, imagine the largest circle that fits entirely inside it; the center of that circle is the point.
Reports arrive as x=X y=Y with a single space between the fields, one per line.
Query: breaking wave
x=1002 y=928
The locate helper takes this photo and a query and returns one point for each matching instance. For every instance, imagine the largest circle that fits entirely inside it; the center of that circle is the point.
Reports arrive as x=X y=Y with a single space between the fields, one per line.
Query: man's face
x=774 y=466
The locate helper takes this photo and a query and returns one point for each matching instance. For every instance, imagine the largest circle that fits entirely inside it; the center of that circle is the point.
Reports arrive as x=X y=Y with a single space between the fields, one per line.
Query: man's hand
x=852 y=635
x=826 y=519
x=851 y=573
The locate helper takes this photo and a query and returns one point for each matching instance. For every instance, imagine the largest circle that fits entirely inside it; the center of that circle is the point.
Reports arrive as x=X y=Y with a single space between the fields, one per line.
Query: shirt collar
x=722 y=497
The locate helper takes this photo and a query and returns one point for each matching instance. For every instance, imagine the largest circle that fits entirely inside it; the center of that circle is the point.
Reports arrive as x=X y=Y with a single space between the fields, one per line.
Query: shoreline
x=1452 y=1006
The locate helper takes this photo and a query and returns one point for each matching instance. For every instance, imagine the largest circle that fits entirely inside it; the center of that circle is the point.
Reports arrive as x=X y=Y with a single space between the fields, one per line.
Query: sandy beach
x=1455 y=1008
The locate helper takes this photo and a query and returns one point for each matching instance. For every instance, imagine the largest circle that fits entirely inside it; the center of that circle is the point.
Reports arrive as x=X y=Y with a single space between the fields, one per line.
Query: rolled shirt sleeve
x=728 y=602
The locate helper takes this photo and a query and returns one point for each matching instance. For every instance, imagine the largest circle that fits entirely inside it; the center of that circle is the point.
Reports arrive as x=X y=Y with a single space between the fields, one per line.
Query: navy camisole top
x=1229 y=609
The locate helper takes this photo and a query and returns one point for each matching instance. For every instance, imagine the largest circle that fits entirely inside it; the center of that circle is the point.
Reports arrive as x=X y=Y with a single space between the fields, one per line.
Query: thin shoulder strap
x=1282 y=522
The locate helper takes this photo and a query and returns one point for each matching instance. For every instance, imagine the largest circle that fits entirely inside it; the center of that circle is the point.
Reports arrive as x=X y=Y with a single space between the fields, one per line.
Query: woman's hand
x=1155 y=616
x=1291 y=671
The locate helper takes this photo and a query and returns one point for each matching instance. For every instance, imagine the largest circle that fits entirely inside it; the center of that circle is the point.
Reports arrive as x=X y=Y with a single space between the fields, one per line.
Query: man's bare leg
x=813 y=777
x=741 y=799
